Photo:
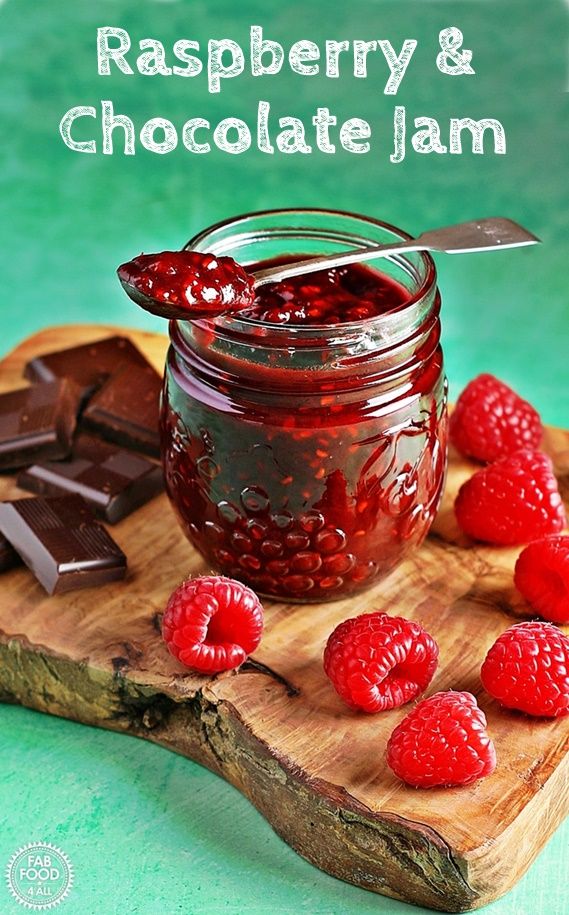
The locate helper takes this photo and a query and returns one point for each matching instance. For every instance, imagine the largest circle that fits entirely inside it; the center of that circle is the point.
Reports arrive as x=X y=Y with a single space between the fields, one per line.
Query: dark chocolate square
x=89 y=364
x=125 y=409
x=114 y=482
x=61 y=542
x=37 y=422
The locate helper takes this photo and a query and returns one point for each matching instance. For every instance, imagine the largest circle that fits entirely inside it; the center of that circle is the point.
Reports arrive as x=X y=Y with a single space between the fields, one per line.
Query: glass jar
x=307 y=461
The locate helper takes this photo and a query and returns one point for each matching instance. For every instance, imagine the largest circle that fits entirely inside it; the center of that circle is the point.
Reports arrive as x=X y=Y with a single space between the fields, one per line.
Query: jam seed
x=298 y=583
x=328 y=584
x=272 y=549
x=312 y=521
x=256 y=529
x=254 y=500
x=277 y=567
x=224 y=557
x=329 y=541
x=363 y=571
x=339 y=563
x=241 y=542
x=297 y=540
x=305 y=562
x=249 y=562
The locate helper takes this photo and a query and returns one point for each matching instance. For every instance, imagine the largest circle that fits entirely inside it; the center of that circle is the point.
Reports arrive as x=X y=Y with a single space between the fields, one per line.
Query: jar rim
x=426 y=284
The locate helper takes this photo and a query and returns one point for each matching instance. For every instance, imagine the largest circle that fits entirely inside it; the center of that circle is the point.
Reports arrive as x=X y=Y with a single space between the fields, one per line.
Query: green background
x=149 y=832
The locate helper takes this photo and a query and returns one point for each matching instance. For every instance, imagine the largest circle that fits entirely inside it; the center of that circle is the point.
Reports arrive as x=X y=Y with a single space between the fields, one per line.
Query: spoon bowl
x=154 y=306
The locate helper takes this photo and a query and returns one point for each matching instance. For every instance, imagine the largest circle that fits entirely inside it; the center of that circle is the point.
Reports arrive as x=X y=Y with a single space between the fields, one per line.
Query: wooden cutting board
x=276 y=729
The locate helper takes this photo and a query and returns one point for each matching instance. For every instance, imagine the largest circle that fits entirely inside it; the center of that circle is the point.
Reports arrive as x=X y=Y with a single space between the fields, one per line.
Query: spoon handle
x=477 y=235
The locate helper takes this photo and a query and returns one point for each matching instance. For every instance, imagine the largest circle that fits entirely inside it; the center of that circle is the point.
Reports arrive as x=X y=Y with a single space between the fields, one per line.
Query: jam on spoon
x=187 y=284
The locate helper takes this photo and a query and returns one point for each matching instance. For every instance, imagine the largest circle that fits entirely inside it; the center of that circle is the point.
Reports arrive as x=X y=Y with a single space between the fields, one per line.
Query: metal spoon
x=477 y=235
x=480 y=235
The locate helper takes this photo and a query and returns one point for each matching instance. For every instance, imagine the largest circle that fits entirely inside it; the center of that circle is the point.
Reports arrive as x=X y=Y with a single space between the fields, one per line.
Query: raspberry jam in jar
x=304 y=439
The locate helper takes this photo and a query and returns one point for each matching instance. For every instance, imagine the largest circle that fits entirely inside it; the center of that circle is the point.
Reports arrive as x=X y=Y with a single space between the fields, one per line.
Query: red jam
x=307 y=461
x=187 y=284
x=345 y=294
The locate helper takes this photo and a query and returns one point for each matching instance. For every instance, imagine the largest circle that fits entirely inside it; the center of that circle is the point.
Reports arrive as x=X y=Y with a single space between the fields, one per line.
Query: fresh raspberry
x=512 y=501
x=377 y=662
x=442 y=743
x=542 y=577
x=490 y=421
x=527 y=668
x=212 y=623
x=188 y=283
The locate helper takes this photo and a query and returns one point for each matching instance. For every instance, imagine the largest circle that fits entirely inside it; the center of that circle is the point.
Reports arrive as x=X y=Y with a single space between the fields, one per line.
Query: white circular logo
x=39 y=876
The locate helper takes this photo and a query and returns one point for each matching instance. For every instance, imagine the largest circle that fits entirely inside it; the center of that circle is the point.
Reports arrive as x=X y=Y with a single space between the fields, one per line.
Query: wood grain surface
x=276 y=729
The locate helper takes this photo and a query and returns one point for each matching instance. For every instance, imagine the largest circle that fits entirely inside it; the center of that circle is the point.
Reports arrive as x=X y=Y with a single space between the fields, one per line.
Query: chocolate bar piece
x=114 y=482
x=8 y=556
x=37 y=422
x=125 y=409
x=60 y=541
x=89 y=364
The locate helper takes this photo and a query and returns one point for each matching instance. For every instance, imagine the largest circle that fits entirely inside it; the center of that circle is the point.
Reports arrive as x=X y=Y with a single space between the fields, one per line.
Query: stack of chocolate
x=82 y=437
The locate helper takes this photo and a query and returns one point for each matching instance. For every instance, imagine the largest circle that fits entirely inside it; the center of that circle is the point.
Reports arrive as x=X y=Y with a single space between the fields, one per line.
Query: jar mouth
x=206 y=240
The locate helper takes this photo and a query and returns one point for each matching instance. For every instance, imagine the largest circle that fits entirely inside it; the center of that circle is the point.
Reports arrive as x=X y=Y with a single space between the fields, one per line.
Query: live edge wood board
x=276 y=729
